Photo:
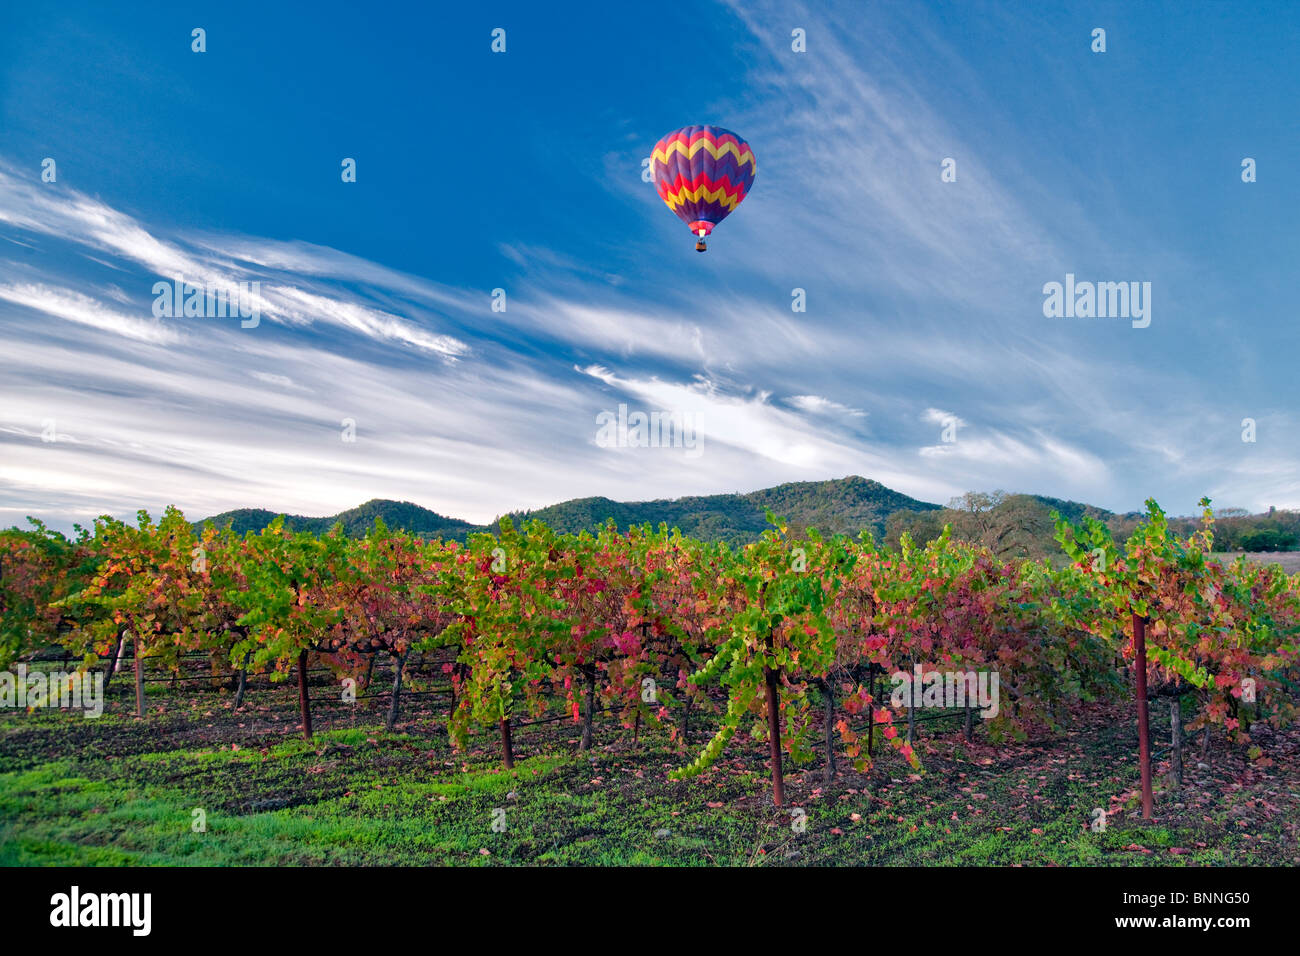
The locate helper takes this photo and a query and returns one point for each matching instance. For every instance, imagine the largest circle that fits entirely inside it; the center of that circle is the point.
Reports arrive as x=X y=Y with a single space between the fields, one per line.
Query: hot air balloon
x=703 y=173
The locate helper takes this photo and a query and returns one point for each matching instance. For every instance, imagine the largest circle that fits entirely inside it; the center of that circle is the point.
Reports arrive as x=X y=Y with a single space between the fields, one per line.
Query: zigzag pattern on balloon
x=675 y=189
x=743 y=154
x=704 y=194
x=724 y=170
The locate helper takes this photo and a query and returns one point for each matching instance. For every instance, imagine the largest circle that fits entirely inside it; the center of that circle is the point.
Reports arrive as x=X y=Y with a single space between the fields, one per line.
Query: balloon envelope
x=703 y=173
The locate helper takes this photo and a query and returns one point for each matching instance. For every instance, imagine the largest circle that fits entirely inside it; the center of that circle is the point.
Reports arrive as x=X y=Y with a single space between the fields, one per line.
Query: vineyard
x=690 y=667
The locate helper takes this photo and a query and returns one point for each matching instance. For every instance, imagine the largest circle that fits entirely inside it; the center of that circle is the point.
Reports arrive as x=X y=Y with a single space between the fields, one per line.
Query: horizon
x=939 y=348
x=159 y=510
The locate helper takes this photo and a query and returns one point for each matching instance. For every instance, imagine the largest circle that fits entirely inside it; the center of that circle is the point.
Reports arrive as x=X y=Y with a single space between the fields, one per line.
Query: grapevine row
x=796 y=631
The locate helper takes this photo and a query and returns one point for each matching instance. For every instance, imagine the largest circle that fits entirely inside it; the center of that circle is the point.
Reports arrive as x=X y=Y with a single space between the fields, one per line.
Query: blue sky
x=522 y=171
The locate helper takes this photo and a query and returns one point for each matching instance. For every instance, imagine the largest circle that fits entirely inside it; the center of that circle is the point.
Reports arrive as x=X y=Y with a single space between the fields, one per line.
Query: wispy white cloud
x=746 y=429
x=817 y=404
x=270 y=378
x=84 y=310
x=937 y=416
x=287 y=277
x=372 y=323
x=1042 y=457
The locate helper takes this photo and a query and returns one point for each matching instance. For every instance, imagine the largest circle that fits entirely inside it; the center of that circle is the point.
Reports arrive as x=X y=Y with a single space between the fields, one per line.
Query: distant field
x=1290 y=560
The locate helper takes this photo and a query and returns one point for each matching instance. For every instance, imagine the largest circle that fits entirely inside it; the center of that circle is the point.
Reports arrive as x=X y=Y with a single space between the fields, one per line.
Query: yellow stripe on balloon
x=718 y=195
x=677 y=146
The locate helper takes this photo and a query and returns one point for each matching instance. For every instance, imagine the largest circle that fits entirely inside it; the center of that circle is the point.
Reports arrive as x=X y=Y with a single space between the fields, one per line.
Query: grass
x=124 y=791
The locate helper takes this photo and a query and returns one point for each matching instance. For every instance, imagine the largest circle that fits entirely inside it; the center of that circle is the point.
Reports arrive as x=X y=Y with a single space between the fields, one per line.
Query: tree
x=40 y=570
x=508 y=619
x=391 y=601
x=779 y=593
x=289 y=601
x=1181 y=618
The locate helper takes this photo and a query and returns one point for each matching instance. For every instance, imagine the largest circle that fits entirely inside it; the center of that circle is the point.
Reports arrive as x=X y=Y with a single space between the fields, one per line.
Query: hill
x=1017 y=525
x=399 y=515
x=847 y=505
